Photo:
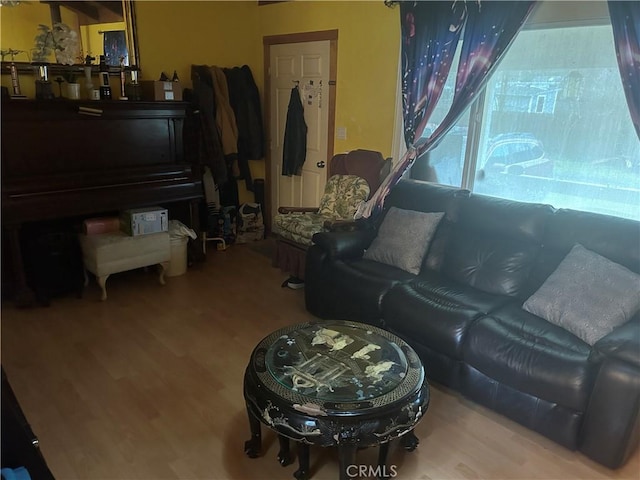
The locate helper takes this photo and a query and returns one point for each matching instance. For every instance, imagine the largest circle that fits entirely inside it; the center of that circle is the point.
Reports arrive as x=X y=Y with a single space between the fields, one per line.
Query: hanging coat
x=295 y=136
x=209 y=148
x=225 y=117
x=245 y=102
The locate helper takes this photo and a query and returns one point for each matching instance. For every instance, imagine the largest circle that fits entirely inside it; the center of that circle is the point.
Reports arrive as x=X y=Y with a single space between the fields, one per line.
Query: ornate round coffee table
x=334 y=383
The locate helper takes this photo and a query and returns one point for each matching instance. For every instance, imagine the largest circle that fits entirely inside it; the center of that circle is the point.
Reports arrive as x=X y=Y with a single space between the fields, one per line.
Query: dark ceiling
x=92 y=12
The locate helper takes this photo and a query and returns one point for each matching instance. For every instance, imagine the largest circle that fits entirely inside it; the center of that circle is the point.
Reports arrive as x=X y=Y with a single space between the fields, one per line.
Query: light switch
x=341 y=133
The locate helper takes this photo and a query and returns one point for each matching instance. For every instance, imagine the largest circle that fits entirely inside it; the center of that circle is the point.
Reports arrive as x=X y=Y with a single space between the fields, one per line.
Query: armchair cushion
x=299 y=227
x=342 y=196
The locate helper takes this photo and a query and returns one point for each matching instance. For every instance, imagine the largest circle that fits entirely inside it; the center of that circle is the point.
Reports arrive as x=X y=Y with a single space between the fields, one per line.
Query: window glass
x=556 y=127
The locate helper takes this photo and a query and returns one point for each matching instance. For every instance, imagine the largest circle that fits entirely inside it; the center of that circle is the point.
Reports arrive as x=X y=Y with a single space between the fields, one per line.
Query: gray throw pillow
x=403 y=238
x=588 y=295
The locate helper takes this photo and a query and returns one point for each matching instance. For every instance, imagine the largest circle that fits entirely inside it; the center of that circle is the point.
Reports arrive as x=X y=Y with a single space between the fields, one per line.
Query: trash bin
x=179 y=237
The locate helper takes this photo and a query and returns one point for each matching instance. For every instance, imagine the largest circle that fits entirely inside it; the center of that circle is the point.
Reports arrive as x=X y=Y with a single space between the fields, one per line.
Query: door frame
x=267 y=42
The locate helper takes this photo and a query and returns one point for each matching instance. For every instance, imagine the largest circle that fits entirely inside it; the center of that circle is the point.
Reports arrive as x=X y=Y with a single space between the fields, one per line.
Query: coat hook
x=297 y=82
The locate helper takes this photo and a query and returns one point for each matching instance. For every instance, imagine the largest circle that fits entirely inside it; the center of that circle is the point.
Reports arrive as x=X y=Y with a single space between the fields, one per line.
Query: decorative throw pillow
x=588 y=295
x=403 y=238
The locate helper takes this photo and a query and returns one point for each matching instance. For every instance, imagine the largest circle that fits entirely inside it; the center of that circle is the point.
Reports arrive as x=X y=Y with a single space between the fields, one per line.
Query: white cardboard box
x=142 y=221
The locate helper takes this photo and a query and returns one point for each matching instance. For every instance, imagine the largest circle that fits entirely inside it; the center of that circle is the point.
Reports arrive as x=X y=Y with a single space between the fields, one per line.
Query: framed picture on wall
x=115 y=46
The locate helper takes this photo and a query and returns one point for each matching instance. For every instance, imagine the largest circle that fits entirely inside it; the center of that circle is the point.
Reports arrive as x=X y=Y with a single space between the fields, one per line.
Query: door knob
x=320 y=164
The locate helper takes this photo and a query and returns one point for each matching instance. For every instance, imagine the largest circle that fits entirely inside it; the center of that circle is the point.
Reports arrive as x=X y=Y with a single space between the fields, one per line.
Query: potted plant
x=43 y=45
x=59 y=40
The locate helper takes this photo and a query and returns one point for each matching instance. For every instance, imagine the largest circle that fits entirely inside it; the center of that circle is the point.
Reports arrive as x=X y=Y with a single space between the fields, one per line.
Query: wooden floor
x=148 y=385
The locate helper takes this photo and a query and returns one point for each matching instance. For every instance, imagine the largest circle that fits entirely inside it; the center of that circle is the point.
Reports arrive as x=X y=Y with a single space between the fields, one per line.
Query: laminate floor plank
x=148 y=385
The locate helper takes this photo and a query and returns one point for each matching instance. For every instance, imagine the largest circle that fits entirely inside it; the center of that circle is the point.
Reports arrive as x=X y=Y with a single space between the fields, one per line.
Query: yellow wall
x=20 y=26
x=175 y=35
x=230 y=33
x=368 y=45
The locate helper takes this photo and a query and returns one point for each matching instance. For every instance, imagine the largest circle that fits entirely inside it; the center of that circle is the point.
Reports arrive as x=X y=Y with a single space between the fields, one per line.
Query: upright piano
x=63 y=158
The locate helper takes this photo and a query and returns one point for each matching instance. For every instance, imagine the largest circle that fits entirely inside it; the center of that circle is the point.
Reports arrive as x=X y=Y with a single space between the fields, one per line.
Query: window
x=554 y=127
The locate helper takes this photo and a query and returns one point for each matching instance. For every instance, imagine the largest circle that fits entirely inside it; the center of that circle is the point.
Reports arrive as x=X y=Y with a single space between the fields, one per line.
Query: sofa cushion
x=436 y=311
x=588 y=295
x=403 y=238
x=529 y=354
x=495 y=244
x=489 y=263
x=561 y=424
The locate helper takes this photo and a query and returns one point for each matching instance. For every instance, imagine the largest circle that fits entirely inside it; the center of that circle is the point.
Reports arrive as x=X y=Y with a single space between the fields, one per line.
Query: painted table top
x=337 y=366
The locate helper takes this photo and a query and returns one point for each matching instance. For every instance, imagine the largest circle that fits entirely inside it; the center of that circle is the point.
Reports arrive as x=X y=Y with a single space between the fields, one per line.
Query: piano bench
x=114 y=252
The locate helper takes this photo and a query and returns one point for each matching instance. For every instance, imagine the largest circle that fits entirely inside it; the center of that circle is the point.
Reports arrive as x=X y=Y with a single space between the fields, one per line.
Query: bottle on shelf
x=132 y=88
x=123 y=79
x=88 y=82
x=43 y=85
x=105 y=86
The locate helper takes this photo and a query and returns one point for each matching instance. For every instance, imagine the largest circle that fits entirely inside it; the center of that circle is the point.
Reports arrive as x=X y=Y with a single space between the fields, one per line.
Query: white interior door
x=307 y=65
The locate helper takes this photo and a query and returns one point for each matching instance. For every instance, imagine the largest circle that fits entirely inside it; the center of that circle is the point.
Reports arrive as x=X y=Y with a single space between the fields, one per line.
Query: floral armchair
x=342 y=195
x=354 y=176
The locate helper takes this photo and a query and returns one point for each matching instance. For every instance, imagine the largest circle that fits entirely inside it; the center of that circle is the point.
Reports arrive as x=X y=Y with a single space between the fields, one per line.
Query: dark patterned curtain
x=429 y=41
x=625 y=22
x=430 y=33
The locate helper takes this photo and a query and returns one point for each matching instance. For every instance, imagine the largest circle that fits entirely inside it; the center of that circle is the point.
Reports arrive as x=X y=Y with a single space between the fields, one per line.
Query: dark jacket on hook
x=245 y=102
x=210 y=151
x=295 y=136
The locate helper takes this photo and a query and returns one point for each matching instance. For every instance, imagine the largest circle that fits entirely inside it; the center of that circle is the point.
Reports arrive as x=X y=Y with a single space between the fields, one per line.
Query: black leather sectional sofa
x=463 y=312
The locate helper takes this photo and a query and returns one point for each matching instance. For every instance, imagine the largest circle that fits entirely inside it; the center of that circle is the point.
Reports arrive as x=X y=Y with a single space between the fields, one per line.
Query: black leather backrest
x=615 y=238
x=430 y=197
x=495 y=244
x=426 y=197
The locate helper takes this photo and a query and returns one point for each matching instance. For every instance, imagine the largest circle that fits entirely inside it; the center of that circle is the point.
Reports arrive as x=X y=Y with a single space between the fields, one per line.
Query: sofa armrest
x=611 y=425
x=351 y=244
x=623 y=343
x=286 y=210
x=335 y=225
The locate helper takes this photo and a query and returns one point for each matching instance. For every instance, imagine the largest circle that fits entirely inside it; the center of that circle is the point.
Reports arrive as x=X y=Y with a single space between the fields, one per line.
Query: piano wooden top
x=63 y=158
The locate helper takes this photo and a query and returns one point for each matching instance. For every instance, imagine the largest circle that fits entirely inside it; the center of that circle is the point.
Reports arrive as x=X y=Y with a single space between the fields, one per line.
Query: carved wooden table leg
x=347 y=456
x=409 y=441
x=284 y=455
x=253 y=446
x=383 y=452
x=303 y=462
